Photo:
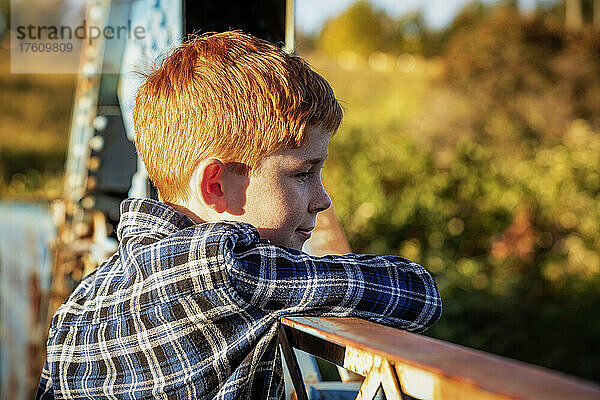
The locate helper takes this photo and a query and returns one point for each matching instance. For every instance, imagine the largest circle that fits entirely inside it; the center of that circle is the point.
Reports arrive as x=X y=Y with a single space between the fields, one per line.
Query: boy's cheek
x=238 y=197
x=276 y=237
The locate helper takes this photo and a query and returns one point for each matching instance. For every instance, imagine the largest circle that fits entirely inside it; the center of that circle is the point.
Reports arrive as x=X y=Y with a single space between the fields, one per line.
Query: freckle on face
x=278 y=202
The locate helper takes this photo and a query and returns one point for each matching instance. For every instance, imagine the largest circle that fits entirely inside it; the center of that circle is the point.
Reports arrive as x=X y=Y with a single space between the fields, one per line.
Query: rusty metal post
x=292 y=364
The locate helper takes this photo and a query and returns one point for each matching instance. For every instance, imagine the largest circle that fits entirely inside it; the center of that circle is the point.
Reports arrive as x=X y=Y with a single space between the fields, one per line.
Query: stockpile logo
x=54 y=42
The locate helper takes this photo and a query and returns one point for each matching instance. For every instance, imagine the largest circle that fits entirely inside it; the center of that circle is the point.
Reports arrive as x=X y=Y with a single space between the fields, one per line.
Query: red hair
x=227 y=95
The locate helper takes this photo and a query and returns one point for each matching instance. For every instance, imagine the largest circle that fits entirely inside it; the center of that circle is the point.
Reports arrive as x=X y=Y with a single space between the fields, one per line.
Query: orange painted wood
x=457 y=366
x=328 y=236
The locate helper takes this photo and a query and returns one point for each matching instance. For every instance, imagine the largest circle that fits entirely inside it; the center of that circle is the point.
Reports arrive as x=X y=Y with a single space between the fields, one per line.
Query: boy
x=234 y=133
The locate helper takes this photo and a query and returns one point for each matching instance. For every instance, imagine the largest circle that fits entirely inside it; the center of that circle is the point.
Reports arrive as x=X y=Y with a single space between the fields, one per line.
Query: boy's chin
x=297 y=241
x=297 y=246
x=293 y=243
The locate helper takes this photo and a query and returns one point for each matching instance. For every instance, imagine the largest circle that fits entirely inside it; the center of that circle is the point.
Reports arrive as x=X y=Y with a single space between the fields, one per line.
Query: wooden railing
x=408 y=365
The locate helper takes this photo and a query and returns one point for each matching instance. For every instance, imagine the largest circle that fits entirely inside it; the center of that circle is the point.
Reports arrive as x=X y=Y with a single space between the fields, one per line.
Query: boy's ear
x=211 y=184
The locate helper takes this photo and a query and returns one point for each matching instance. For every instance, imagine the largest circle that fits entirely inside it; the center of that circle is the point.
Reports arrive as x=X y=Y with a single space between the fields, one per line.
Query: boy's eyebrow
x=313 y=161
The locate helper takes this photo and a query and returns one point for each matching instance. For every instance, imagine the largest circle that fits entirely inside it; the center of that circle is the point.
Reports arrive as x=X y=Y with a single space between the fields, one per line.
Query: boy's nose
x=321 y=200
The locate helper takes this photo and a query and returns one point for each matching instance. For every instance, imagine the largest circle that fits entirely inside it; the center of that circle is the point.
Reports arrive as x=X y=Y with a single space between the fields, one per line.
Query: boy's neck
x=186 y=211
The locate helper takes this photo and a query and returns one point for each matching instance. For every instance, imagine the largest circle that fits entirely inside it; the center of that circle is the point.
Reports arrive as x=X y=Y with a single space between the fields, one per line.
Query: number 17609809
x=27 y=47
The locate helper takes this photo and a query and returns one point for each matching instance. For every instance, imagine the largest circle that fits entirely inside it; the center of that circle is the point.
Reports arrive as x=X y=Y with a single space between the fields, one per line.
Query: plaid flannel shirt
x=190 y=311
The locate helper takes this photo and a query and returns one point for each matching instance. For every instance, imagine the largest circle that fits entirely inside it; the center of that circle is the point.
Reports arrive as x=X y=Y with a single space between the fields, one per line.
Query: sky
x=311 y=14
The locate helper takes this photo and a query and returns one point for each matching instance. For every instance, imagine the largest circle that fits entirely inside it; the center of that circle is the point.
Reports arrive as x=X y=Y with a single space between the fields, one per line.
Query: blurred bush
x=481 y=163
x=34 y=130
x=362 y=29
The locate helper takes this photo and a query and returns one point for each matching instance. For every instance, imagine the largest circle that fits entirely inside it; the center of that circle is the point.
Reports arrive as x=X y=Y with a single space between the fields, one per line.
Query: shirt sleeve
x=384 y=289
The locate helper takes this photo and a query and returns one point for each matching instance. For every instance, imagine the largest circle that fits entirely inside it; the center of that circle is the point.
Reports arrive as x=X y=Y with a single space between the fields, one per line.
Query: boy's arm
x=45 y=391
x=388 y=290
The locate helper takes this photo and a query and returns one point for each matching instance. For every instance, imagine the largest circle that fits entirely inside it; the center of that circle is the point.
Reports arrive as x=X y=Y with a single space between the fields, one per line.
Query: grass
x=34 y=131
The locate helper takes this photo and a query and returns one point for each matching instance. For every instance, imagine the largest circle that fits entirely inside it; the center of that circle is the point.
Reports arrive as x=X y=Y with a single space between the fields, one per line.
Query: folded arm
x=388 y=290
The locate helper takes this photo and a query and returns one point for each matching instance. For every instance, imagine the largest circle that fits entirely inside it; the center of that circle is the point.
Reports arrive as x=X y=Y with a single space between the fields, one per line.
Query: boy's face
x=285 y=192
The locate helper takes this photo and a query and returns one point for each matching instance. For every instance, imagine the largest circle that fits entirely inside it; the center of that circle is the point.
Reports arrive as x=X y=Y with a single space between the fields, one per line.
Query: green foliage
x=358 y=29
x=537 y=78
x=487 y=174
x=362 y=30
x=513 y=242
x=33 y=132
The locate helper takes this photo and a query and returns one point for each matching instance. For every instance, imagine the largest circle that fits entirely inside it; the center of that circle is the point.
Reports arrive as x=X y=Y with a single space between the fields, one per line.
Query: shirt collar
x=150 y=216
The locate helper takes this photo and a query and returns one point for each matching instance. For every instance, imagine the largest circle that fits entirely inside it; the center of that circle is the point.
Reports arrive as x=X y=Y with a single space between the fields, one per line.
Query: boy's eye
x=304 y=175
